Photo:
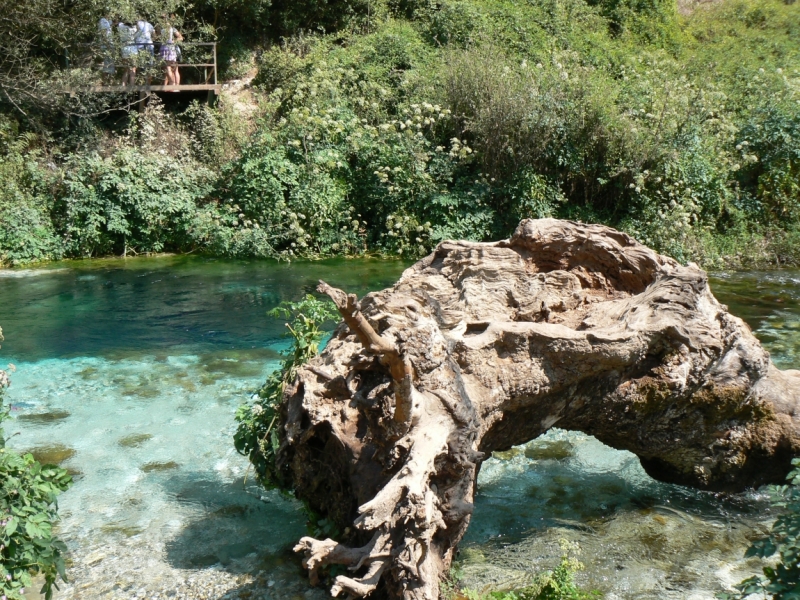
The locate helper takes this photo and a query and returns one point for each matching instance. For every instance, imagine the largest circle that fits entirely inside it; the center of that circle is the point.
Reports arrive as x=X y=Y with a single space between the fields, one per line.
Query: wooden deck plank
x=101 y=89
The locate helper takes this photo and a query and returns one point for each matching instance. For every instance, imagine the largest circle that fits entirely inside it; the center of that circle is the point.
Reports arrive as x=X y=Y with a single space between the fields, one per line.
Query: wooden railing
x=198 y=76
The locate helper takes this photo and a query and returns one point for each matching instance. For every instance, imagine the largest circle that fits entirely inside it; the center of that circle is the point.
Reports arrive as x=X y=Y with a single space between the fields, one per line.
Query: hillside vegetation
x=387 y=126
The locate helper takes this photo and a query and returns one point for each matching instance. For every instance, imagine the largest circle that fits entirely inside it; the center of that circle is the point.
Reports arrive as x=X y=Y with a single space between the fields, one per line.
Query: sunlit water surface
x=129 y=373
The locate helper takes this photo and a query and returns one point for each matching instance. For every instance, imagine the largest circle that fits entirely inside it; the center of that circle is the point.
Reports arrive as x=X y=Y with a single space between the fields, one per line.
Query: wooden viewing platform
x=206 y=72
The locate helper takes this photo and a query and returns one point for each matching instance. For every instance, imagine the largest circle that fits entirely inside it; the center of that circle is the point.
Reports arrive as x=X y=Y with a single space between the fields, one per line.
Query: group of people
x=134 y=46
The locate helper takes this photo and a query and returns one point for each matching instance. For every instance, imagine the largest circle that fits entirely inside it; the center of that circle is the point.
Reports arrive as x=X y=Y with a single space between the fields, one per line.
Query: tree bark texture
x=483 y=346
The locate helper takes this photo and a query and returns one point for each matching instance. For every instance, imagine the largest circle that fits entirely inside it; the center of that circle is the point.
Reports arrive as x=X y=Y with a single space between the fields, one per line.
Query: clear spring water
x=129 y=372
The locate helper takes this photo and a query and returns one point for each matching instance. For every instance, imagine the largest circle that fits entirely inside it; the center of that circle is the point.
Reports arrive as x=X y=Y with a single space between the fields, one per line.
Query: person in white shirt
x=106 y=39
x=144 y=42
x=129 y=51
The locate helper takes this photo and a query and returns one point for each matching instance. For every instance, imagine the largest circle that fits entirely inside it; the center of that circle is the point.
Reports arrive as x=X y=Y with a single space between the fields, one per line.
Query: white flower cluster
x=459 y=148
x=410 y=236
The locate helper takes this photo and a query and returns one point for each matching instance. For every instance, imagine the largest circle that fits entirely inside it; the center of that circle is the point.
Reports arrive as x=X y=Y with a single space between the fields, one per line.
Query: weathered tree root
x=480 y=347
x=376 y=554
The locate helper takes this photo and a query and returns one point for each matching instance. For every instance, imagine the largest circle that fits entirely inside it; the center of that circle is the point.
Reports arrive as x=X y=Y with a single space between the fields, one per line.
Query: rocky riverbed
x=137 y=569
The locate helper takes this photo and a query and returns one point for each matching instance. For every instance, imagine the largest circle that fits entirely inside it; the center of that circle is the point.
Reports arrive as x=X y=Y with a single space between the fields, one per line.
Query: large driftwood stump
x=480 y=347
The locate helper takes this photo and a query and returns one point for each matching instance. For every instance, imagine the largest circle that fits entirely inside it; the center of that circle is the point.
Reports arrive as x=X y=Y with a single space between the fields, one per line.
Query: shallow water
x=129 y=372
x=770 y=304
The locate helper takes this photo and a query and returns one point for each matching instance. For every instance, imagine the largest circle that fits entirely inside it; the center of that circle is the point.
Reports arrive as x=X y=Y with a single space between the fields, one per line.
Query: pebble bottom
x=135 y=570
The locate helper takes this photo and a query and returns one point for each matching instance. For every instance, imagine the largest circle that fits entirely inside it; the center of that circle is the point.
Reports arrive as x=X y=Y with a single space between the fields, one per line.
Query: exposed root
x=406 y=507
x=322 y=553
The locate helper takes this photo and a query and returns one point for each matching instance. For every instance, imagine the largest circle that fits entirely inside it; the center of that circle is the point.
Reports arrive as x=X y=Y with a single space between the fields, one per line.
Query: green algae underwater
x=129 y=373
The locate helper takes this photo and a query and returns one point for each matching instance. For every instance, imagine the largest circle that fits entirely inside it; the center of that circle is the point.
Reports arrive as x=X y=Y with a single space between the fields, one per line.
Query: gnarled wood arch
x=481 y=346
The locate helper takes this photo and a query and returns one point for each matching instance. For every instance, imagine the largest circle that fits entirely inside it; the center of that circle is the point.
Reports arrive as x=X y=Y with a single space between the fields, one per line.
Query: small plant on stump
x=257 y=434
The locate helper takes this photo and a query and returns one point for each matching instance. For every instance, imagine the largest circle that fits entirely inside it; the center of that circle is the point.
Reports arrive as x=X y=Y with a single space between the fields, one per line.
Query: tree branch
x=399 y=367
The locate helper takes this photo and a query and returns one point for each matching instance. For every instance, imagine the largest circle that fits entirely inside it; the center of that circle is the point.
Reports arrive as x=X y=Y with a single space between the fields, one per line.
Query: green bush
x=653 y=21
x=289 y=16
x=131 y=202
x=450 y=23
x=28 y=492
x=208 y=135
x=345 y=162
x=770 y=150
x=543 y=117
x=277 y=67
x=26 y=229
x=235 y=58
x=285 y=201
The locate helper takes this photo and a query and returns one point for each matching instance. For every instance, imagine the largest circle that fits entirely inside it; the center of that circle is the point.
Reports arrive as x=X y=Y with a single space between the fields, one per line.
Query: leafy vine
x=257 y=433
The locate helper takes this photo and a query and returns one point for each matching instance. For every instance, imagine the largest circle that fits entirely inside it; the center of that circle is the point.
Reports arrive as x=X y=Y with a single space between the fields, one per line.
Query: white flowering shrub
x=343 y=164
x=389 y=126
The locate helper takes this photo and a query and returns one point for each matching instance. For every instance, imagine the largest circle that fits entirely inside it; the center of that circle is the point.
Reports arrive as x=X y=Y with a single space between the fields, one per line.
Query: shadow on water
x=230 y=521
x=641 y=538
x=242 y=529
x=573 y=484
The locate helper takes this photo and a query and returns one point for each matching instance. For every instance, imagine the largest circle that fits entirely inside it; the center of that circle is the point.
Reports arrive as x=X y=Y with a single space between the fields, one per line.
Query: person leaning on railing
x=129 y=52
x=170 y=52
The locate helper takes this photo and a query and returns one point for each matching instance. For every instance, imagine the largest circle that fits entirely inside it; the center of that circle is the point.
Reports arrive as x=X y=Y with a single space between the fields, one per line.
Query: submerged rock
x=158 y=467
x=134 y=440
x=555 y=450
x=53 y=454
x=44 y=418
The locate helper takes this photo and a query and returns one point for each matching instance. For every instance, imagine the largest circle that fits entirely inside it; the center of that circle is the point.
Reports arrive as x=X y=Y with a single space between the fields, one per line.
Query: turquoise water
x=129 y=372
x=770 y=304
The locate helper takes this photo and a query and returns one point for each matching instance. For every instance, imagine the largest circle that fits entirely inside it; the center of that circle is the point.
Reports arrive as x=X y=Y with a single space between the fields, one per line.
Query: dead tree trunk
x=480 y=347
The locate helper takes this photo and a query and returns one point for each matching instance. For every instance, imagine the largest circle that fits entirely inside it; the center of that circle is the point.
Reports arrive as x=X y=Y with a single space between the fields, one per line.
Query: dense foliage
x=27 y=233
x=780 y=581
x=129 y=202
x=389 y=125
x=257 y=435
x=28 y=492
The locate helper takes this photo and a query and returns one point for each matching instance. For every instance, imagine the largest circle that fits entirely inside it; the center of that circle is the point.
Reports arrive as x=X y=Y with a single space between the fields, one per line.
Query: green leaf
x=11 y=526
